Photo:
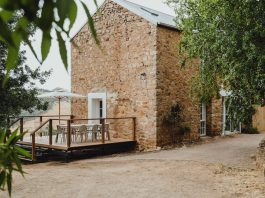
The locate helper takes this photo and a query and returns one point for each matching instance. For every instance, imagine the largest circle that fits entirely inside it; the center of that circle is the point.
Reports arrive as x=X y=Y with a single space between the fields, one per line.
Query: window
x=203 y=120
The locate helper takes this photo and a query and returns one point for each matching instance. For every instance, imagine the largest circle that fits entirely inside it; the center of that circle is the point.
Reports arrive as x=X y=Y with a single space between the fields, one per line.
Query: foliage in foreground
x=54 y=18
x=229 y=39
x=9 y=158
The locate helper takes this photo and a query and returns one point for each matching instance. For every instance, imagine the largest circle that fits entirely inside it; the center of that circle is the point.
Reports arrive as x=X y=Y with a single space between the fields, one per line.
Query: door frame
x=97 y=96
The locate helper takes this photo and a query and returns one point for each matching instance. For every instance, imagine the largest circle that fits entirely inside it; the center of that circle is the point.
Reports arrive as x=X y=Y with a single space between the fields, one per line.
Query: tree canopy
x=20 y=92
x=229 y=39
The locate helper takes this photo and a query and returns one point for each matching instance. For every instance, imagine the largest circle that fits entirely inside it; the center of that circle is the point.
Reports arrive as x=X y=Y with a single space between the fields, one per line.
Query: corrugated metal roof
x=155 y=17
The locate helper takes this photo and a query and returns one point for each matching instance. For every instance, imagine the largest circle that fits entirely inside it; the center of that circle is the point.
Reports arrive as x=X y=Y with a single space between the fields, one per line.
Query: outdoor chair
x=82 y=133
x=95 y=132
x=107 y=131
x=61 y=131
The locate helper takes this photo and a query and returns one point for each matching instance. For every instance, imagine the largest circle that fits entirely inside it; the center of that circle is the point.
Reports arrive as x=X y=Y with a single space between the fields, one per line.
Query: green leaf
x=17 y=161
x=72 y=14
x=11 y=139
x=9 y=183
x=63 y=50
x=96 y=4
x=3 y=3
x=47 y=16
x=23 y=22
x=6 y=15
x=32 y=50
x=12 y=57
x=23 y=152
x=2 y=136
x=2 y=179
x=45 y=45
x=91 y=24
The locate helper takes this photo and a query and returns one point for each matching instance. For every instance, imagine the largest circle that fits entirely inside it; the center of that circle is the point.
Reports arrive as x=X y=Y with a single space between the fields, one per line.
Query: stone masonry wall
x=124 y=68
x=214 y=117
x=173 y=85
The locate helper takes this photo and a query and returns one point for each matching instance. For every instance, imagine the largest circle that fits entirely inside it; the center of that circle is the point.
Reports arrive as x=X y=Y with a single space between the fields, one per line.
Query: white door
x=97 y=106
x=203 y=120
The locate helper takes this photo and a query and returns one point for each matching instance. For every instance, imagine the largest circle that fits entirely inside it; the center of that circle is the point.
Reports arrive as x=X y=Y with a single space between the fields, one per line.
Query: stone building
x=136 y=72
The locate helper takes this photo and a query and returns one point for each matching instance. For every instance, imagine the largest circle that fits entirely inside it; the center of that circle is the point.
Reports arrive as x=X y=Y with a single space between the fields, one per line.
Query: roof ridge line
x=148 y=8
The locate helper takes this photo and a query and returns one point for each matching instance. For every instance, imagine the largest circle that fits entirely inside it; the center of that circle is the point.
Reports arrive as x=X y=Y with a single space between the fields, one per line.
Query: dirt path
x=230 y=151
x=221 y=168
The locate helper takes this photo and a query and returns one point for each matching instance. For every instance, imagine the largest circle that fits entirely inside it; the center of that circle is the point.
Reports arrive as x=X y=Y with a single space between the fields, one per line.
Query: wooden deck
x=46 y=145
x=60 y=145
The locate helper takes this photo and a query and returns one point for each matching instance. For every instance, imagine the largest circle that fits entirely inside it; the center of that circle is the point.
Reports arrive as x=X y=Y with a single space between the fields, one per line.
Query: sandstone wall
x=214 y=117
x=259 y=118
x=124 y=68
x=173 y=85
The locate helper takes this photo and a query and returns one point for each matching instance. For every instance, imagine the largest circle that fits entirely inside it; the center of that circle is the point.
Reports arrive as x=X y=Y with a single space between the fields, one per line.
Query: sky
x=60 y=77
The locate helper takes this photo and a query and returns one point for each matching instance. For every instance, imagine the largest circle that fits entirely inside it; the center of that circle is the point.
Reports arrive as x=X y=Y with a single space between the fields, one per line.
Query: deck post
x=68 y=133
x=134 y=129
x=41 y=124
x=40 y=120
x=21 y=127
x=71 y=118
x=102 y=131
x=33 y=151
x=50 y=132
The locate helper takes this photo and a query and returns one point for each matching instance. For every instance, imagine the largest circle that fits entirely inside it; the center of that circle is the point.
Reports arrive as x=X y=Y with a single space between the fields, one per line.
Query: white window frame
x=203 y=119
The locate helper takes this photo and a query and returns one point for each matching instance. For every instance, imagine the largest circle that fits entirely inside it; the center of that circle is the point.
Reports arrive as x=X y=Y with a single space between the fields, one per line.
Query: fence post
x=33 y=151
x=102 y=131
x=50 y=131
x=134 y=129
x=21 y=127
x=68 y=133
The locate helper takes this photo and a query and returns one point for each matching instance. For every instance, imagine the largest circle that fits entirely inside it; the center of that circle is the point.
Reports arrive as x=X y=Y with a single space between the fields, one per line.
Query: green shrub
x=250 y=130
x=184 y=129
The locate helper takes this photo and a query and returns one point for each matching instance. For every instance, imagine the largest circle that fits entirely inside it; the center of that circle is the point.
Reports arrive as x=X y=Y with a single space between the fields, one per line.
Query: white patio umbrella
x=60 y=95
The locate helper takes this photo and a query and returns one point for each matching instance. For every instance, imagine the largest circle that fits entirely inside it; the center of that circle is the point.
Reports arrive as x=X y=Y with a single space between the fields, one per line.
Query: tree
x=48 y=16
x=229 y=39
x=20 y=92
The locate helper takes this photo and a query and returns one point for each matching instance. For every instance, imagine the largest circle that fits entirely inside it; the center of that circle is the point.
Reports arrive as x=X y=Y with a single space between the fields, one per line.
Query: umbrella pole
x=59 y=110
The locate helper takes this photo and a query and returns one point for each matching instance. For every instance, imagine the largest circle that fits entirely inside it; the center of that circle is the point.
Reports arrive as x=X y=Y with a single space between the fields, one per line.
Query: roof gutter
x=171 y=27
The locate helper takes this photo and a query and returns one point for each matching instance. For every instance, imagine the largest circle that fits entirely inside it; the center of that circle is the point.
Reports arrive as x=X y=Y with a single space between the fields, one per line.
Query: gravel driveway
x=230 y=150
x=218 y=168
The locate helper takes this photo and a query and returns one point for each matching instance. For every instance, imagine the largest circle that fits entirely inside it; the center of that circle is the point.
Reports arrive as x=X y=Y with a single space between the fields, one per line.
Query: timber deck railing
x=70 y=121
x=22 y=119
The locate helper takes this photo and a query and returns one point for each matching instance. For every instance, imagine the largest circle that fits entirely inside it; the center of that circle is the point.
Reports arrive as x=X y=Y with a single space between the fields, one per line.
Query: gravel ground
x=216 y=168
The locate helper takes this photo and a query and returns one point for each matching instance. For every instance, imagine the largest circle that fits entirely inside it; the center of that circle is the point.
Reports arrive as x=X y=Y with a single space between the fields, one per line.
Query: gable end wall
x=125 y=69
